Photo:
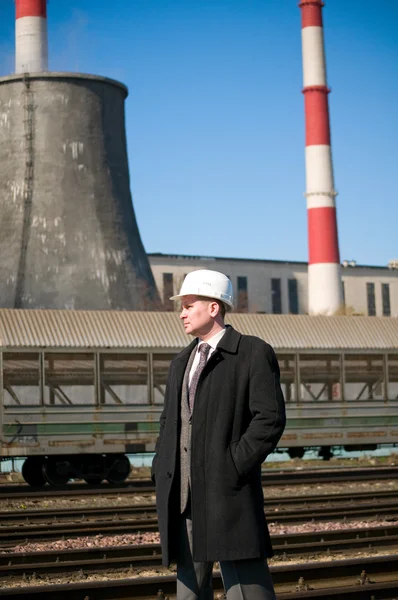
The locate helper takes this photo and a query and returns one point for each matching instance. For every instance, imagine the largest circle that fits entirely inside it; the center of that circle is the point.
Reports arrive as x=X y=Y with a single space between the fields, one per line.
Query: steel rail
x=122 y=524
x=282 y=541
x=321 y=501
x=274 y=476
x=95 y=559
x=359 y=579
x=271 y=503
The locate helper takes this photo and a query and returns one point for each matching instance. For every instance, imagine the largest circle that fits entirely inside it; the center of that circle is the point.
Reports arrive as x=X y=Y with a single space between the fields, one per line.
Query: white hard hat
x=211 y=284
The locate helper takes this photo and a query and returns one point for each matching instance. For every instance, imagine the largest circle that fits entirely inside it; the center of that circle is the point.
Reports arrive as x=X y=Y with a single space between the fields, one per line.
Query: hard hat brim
x=227 y=304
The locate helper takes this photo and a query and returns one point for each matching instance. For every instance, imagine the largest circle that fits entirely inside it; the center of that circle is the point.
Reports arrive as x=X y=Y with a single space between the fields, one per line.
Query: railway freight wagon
x=82 y=390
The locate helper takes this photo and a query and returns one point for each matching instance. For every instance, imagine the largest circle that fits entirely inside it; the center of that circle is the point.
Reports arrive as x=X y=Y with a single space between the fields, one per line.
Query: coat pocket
x=232 y=477
x=231 y=449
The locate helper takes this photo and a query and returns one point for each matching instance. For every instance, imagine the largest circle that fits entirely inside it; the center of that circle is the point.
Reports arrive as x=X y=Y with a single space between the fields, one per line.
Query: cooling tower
x=69 y=237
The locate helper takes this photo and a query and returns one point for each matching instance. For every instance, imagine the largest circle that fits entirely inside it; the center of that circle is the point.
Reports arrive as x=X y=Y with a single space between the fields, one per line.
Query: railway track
x=53 y=524
x=123 y=561
x=304 y=580
x=373 y=578
x=94 y=560
x=271 y=504
x=272 y=476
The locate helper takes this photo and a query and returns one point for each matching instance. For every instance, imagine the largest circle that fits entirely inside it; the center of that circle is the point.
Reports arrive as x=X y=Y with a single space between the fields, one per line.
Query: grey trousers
x=242 y=579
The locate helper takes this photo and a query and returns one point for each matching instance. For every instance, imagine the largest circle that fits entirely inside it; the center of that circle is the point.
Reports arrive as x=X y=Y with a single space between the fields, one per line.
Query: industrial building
x=281 y=287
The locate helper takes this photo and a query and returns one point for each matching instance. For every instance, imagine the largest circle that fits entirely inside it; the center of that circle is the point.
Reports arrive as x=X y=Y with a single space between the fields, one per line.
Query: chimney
x=324 y=277
x=31 y=46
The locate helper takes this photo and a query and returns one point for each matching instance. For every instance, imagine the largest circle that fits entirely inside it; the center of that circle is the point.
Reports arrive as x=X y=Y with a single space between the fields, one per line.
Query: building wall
x=259 y=274
x=355 y=280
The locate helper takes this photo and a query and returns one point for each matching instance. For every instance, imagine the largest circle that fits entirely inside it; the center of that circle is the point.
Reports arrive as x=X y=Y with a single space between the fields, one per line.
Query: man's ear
x=214 y=309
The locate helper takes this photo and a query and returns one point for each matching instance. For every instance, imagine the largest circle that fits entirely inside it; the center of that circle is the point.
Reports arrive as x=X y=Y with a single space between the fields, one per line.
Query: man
x=223 y=414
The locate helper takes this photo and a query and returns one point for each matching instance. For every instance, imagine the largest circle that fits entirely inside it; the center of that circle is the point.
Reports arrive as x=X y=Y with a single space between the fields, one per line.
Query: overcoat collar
x=229 y=342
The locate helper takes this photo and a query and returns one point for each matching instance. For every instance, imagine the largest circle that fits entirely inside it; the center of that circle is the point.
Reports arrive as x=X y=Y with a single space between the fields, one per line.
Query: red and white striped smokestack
x=31 y=46
x=324 y=276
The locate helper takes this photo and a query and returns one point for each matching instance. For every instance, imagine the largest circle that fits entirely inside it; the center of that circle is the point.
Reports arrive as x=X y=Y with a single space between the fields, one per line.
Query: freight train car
x=81 y=390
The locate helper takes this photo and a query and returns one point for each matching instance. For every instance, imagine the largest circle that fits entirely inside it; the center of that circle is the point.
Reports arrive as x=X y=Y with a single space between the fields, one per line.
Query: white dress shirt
x=213 y=341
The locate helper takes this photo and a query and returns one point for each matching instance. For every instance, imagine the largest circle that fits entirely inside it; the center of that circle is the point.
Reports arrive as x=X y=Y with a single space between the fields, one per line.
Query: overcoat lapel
x=229 y=343
x=181 y=362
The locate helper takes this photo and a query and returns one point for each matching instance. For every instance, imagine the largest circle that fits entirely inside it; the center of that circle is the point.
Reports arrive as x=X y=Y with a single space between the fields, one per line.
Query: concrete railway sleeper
x=374 y=578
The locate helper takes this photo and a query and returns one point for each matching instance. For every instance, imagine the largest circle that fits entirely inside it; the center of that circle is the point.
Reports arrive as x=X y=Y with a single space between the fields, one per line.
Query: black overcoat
x=238 y=419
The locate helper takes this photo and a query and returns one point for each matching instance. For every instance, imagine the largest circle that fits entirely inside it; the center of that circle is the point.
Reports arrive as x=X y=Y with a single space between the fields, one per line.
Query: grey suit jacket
x=185 y=437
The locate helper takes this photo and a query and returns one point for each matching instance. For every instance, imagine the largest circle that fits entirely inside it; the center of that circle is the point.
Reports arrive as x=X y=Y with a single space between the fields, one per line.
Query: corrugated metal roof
x=163 y=330
x=321 y=333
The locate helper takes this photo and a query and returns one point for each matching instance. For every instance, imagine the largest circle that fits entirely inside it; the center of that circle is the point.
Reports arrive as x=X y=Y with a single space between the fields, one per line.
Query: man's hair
x=221 y=305
x=223 y=309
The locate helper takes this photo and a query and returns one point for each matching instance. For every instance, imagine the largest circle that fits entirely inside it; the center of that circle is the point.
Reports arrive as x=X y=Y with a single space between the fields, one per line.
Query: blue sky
x=215 y=117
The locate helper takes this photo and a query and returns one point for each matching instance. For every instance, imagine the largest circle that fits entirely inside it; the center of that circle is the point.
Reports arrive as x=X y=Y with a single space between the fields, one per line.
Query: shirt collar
x=213 y=341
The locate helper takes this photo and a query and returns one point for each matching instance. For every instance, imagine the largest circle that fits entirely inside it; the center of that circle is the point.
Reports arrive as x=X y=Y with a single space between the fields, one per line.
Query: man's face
x=196 y=315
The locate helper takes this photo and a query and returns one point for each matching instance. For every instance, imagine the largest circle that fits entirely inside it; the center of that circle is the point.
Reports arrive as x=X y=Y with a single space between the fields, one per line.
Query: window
x=242 y=303
x=69 y=378
x=364 y=376
x=168 y=291
x=370 y=289
x=343 y=291
x=276 y=296
x=320 y=377
x=21 y=378
x=124 y=379
x=393 y=377
x=293 y=297
x=385 y=294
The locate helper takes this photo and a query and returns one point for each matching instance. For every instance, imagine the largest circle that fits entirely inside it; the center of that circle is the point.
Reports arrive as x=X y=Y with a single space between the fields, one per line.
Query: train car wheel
x=325 y=452
x=296 y=452
x=32 y=471
x=56 y=471
x=119 y=470
x=93 y=480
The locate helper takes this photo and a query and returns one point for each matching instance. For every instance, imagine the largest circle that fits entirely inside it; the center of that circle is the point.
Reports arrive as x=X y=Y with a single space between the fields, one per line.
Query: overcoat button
x=168 y=474
x=185 y=449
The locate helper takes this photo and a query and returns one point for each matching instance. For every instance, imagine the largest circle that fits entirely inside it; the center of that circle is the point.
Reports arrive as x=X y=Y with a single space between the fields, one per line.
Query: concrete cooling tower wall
x=69 y=236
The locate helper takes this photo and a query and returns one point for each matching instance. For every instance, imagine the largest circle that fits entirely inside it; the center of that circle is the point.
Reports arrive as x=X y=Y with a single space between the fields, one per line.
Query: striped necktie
x=204 y=352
